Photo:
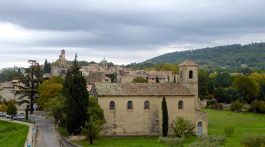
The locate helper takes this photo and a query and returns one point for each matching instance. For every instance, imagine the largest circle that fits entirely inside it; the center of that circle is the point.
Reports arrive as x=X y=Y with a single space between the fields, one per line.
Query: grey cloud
x=138 y=25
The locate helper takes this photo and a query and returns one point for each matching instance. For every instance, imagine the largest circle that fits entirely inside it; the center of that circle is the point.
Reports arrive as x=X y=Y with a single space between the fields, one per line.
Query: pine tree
x=164 y=117
x=76 y=99
x=28 y=89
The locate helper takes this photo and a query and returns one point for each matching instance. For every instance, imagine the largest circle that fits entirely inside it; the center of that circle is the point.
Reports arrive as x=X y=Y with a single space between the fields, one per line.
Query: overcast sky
x=123 y=31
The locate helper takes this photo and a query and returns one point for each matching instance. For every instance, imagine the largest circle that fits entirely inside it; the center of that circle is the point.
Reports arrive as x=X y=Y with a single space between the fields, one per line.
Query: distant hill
x=228 y=57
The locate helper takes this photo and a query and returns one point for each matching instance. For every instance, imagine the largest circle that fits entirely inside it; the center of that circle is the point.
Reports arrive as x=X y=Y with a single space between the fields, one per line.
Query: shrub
x=63 y=132
x=257 y=106
x=229 y=131
x=171 y=141
x=210 y=103
x=209 y=141
x=3 y=108
x=236 y=106
x=11 y=108
x=218 y=106
x=182 y=127
x=253 y=141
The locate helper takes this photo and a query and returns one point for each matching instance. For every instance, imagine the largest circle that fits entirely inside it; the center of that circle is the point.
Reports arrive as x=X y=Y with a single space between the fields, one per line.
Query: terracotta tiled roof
x=141 y=89
x=188 y=62
x=6 y=85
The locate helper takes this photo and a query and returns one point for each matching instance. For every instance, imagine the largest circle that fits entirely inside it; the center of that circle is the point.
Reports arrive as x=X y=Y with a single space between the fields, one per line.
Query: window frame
x=129 y=105
x=146 y=105
x=112 y=107
x=180 y=105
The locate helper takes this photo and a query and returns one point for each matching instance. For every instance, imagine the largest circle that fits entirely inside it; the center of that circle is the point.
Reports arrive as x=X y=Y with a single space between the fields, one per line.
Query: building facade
x=133 y=109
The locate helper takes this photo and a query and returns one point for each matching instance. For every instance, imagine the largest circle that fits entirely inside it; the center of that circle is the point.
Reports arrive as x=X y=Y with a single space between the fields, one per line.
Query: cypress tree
x=164 y=117
x=49 y=69
x=76 y=99
x=45 y=66
x=157 y=79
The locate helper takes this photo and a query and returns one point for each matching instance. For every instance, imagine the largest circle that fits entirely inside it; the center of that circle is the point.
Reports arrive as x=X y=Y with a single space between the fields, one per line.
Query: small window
x=146 y=105
x=190 y=74
x=180 y=104
x=129 y=105
x=112 y=105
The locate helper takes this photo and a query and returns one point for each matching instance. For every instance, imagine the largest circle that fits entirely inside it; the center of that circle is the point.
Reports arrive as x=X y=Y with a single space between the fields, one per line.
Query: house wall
x=138 y=121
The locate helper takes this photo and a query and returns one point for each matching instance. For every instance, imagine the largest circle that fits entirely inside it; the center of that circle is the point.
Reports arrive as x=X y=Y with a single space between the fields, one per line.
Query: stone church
x=132 y=109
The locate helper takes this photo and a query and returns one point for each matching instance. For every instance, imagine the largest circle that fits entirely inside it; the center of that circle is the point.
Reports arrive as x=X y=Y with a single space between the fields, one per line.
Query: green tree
x=76 y=99
x=203 y=80
x=57 y=109
x=94 y=121
x=260 y=79
x=223 y=79
x=247 y=87
x=29 y=84
x=140 y=80
x=49 y=89
x=11 y=108
x=182 y=127
x=9 y=74
x=164 y=117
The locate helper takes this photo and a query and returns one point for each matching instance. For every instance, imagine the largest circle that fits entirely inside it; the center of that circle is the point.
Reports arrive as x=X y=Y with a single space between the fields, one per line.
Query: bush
x=229 y=131
x=3 y=108
x=11 y=108
x=171 y=141
x=211 y=102
x=236 y=106
x=218 y=106
x=257 y=106
x=209 y=141
x=253 y=141
x=182 y=127
x=63 y=132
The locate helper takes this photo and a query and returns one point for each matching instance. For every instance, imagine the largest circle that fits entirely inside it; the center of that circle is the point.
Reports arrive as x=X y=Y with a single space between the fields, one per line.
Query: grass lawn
x=129 y=142
x=12 y=134
x=244 y=124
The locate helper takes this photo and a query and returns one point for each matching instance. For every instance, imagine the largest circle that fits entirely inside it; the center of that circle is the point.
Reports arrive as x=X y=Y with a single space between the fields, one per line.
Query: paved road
x=47 y=135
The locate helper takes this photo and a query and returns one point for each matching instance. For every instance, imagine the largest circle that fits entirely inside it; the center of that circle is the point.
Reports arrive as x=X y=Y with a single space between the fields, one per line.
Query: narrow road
x=47 y=135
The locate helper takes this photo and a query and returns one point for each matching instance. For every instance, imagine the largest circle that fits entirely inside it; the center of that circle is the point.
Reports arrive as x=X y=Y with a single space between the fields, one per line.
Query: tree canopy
x=49 y=89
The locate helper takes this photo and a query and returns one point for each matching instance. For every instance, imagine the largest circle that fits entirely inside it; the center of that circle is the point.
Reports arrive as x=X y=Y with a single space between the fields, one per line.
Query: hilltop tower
x=188 y=76
x=104 y=62
x=62 y=56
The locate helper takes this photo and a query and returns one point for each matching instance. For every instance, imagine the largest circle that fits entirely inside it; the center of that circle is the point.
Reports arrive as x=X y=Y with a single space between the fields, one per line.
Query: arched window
x=200 y=128
x=112 y=105
x=180 y=104
x=190 y=74
x=146 y=105
x=129 y=105
x=199 y=124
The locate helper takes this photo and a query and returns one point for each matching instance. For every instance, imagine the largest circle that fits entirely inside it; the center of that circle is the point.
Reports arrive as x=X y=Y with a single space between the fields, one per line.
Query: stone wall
x=140 y=121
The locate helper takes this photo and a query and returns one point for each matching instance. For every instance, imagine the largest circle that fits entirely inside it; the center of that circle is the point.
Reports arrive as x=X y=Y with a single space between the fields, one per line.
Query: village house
x=132 y=109
x=8 y=93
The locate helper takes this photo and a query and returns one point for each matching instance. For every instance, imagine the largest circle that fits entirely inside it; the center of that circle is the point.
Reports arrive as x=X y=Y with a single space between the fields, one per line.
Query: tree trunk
x=91 y=140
